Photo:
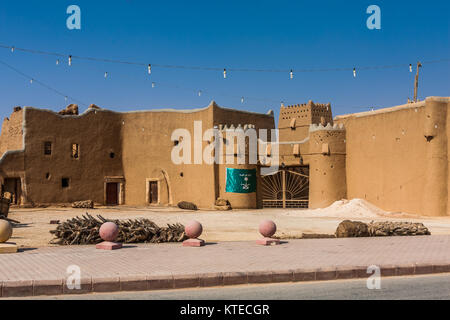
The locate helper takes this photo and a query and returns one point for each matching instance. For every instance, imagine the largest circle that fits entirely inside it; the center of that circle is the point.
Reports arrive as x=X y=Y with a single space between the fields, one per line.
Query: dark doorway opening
x=13 y=186
x=112 y=193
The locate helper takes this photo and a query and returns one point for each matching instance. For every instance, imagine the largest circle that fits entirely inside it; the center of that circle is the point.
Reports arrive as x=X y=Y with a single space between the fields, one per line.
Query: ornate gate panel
x=287 y=188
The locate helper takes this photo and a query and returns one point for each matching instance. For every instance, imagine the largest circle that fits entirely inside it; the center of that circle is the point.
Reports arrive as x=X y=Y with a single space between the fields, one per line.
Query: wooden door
x=153 y=192
x=112 y=193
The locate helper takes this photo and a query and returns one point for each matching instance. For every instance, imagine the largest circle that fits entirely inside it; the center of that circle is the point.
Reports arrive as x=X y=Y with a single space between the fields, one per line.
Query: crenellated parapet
x=239 y=126
x=329 y=127
x=325 y=106
x=293 y=106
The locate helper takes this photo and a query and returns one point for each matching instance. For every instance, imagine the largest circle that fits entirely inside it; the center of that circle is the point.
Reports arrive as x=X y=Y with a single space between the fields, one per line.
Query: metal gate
x=286 y=188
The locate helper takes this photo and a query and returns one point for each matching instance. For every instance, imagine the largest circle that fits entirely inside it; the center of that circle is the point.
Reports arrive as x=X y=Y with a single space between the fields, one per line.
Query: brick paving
x=170 y=265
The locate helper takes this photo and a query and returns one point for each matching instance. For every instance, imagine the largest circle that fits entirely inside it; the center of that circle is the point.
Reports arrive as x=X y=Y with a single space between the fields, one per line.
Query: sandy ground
x=234 y=225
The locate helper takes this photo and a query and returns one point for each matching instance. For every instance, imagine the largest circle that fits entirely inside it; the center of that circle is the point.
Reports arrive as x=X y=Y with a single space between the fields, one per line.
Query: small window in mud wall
x=65 y=182
x=47 y=148
x=75 y=150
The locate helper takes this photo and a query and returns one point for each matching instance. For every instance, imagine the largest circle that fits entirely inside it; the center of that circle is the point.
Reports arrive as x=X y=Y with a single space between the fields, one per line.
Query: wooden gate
x=287 y=188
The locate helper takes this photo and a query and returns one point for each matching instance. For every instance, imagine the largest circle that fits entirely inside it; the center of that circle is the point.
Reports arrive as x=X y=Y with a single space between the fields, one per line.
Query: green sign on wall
x=241 y=180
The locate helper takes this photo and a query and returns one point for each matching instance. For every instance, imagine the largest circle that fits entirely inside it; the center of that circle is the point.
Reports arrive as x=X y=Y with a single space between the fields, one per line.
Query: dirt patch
x=233 y=225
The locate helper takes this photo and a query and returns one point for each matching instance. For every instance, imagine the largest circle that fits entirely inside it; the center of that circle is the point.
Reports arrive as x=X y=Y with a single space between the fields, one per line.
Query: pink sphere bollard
x=267 y=228
x=193 y=230
x=108 y=232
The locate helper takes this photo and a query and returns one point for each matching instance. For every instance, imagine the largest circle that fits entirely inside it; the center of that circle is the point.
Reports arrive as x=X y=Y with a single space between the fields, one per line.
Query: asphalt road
x=433 y=287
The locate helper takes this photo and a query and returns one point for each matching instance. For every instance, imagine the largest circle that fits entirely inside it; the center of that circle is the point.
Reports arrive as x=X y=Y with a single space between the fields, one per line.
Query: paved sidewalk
x=162 y=266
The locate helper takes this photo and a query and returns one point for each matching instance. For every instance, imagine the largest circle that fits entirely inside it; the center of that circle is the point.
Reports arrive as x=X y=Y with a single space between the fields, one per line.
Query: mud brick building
x=114 y=158
x=396 y=158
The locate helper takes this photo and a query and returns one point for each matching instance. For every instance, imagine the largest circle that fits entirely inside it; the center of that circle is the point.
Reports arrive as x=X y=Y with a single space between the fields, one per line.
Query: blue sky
x=224 y=34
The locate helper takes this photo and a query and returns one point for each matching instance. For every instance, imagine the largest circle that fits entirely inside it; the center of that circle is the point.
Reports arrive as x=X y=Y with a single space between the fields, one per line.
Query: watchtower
x=294 y=120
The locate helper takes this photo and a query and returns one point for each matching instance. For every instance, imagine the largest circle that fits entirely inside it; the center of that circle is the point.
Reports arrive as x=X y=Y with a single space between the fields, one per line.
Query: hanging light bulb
x=149 y=69
x=199 y=93
x=291 y=74
x=410 y=67
x=224 y=73
x=153 y=84
x=12 y=49
x=242 y=99
x=70 y=61
x=354 y=72
x=106 y=75
x=65 y=99
x=31 y=81
x=57 y=62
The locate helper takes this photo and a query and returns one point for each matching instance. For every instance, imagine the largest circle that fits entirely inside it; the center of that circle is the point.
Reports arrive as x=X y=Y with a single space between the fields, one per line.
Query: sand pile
x=355 y=208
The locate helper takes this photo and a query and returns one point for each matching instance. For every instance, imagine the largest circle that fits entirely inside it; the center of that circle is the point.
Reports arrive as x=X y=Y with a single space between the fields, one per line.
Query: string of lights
x=225 y=71
x=197 y=92
x=154 y=85
x=43 y=84
x=243 y=99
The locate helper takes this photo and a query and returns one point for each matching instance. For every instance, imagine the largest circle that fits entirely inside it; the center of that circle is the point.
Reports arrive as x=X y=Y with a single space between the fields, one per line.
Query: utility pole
x=416 y=81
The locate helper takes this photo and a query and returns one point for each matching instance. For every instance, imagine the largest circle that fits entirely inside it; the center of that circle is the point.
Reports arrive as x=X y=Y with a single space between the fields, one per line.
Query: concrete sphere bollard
x=193 y=229
x=5 y=230
x=109 y=231
x=267 y=228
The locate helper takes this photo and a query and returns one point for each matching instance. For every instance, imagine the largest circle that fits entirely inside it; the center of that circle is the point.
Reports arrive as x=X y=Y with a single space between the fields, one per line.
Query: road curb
x=25 y=288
